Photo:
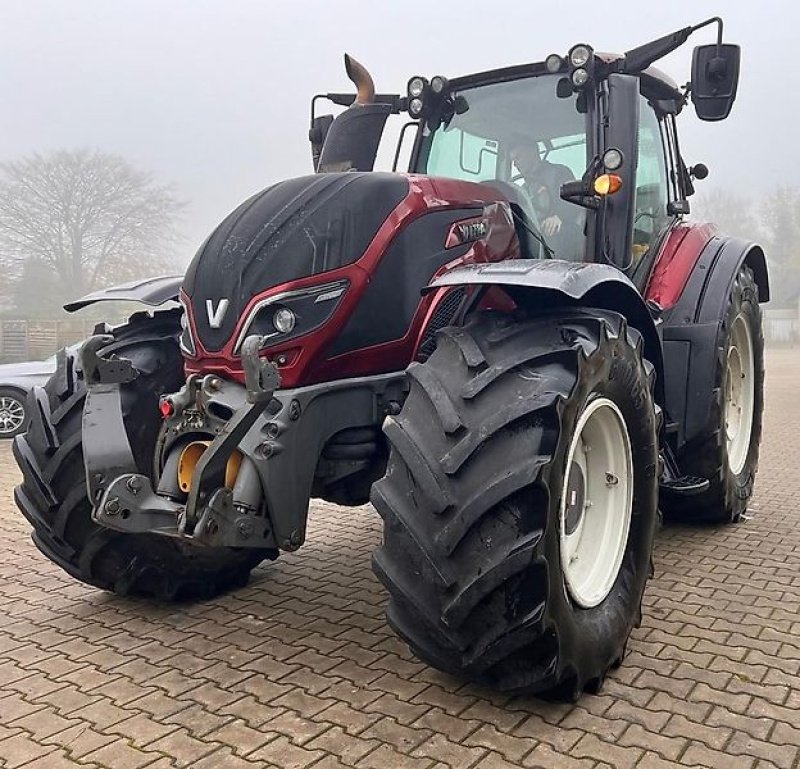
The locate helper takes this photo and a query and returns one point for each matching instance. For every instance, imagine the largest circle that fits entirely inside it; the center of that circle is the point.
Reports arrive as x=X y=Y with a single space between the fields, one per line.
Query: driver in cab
x=559 y=220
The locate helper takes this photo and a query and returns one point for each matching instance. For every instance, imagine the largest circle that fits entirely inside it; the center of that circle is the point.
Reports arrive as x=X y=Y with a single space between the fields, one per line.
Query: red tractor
x=519 y=351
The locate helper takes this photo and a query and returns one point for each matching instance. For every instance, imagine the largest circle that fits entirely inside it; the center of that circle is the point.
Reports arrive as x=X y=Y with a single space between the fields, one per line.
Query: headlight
x=291 y=314
x=284 y=320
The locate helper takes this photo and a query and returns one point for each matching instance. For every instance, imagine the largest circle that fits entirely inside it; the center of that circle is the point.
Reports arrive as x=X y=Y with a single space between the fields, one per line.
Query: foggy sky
x=213 y=96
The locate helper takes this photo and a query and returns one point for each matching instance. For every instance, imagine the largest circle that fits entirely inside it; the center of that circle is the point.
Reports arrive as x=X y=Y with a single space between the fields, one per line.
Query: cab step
x=684 y=486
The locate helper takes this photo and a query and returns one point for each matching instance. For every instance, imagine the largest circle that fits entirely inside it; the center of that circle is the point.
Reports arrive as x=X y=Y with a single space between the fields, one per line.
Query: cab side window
x=458 y=154
x=651 y=197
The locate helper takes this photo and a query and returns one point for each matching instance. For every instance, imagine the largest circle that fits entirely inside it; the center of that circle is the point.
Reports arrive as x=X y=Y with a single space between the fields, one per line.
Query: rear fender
x=692 y=331
x=538 y=283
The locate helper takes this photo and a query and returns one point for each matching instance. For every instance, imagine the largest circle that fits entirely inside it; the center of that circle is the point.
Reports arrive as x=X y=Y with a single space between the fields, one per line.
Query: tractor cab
x=596 y=172
x=583 y=147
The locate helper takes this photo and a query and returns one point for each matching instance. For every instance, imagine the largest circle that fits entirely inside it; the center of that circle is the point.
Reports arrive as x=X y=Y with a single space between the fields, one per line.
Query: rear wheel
x=520 y=501
x=727 y=454
x=53 y=497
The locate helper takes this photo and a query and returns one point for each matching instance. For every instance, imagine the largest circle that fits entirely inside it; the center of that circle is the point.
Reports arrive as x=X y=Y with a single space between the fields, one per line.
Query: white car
x=16 y=381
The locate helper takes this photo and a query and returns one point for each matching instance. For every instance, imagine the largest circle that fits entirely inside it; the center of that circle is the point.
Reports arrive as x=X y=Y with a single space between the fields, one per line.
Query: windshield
x=518 y=133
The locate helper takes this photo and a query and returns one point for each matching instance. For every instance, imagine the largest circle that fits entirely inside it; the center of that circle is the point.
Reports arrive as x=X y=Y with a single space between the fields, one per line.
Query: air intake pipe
x=353 y=138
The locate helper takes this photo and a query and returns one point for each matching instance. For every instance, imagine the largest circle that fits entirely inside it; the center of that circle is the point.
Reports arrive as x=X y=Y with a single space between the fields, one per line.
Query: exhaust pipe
x=353 y=138
x=362 y=80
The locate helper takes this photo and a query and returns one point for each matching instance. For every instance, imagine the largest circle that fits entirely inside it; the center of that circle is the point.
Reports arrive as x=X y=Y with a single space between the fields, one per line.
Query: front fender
x=533 y=283
x=153 y=292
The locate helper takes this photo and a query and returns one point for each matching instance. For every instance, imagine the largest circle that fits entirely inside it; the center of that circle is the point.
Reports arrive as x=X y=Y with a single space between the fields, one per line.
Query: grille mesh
x=442 y=316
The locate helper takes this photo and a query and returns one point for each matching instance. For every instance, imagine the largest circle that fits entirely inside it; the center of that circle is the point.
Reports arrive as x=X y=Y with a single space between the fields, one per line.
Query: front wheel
x=520 y=501
x=53 y=493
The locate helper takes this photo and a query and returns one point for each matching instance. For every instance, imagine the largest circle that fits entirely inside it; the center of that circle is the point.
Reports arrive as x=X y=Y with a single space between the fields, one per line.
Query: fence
x=782 y=327
x=22 y=340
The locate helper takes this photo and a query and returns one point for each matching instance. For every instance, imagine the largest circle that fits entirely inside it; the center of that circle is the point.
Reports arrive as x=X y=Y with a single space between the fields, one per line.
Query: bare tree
x=734 y=215
x=780 y=216
x=773 y=221
x=75 y=221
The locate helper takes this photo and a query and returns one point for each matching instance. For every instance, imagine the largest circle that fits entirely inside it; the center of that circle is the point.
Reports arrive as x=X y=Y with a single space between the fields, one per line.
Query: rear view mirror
x=715 y=75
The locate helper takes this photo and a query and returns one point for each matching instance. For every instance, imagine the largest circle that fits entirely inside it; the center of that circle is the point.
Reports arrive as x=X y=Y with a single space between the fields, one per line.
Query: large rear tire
x=727 y=454
x=485 y=492
x=52 y=495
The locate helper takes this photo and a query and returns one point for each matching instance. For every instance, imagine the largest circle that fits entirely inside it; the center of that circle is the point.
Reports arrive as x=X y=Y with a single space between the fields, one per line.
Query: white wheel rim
x=739 y=395
x=595 y=511
x=12 y=415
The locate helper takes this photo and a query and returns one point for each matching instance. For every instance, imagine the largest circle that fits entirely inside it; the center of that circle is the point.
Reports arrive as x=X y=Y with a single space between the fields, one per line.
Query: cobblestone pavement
x=299 y=669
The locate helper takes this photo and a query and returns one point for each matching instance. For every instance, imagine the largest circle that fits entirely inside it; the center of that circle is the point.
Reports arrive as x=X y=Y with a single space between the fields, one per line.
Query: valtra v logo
x=216 y=316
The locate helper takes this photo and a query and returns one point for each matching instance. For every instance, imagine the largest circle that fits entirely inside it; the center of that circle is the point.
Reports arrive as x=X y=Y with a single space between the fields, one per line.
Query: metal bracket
x=261 y=376
x=130 y=505
x=106 y=450
x=101 y=370
x=262 y=379
x=222 y=525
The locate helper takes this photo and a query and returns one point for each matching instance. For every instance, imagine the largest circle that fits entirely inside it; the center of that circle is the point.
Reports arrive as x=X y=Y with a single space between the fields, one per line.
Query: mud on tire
x=52 y=495
x=471 y=501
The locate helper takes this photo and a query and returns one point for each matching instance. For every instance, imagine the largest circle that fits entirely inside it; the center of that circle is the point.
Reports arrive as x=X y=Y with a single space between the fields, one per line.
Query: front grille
x=442 y=316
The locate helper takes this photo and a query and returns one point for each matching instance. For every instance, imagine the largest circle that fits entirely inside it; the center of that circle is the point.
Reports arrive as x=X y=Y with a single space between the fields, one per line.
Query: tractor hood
x=296 y=228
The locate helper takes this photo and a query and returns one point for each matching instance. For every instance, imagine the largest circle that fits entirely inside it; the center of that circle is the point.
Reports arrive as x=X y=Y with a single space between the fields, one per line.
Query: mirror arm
x=638 y=59
x=713 y=20
x=580 y=193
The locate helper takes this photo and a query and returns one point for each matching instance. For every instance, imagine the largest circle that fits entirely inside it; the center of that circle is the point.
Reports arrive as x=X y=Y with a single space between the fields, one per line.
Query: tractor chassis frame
x=282 y=432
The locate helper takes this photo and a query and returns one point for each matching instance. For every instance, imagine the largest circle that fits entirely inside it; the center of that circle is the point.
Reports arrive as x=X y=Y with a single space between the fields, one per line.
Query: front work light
x=580 y=77
x=553 y=63
x=612 y=159
x=438 y=84
x=416 y=87
x=579 y=56
x=415 y=107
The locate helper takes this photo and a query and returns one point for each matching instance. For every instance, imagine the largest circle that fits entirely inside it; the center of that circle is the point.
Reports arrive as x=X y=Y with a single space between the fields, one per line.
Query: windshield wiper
x=538 y=236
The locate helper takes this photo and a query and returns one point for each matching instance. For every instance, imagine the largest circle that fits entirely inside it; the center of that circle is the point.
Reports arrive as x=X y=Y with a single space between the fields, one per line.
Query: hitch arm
x=262 y=379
